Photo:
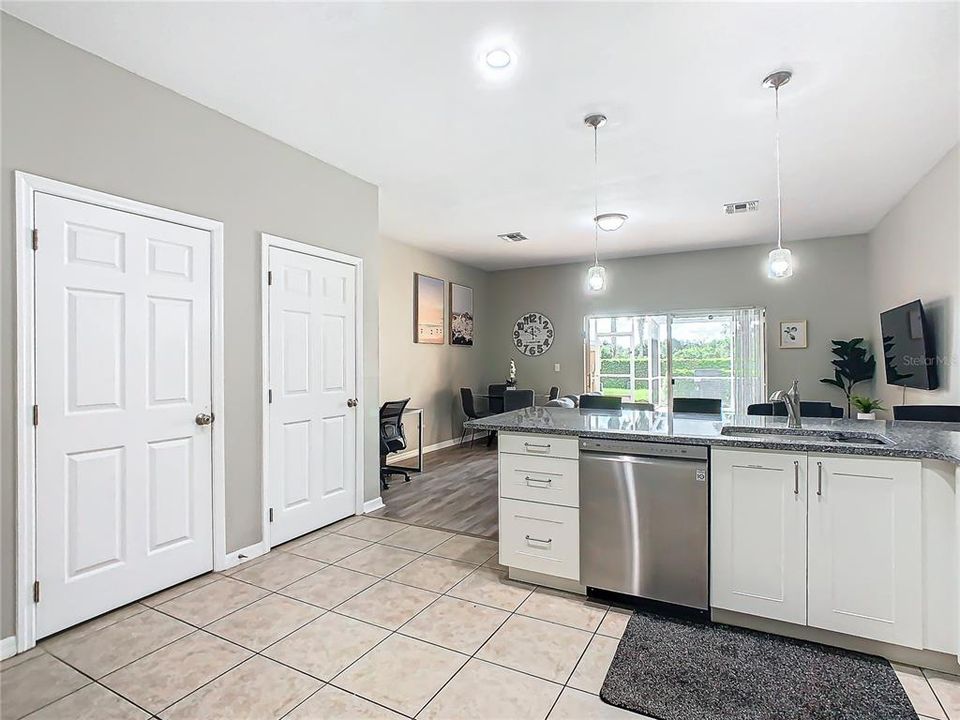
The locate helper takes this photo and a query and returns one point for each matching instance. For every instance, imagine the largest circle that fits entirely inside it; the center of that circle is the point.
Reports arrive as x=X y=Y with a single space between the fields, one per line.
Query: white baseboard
x=370 y=505
x=233 y=559
x=407 y=454
x=8 y=647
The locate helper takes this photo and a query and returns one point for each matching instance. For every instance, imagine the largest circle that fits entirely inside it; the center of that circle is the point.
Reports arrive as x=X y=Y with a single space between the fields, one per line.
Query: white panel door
x=312 y=436
x=865 y=573
x=124 y=474
x=759 y=533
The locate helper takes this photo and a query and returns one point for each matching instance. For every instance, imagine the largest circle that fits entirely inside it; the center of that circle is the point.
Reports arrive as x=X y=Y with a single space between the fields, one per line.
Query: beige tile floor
x=365 y=619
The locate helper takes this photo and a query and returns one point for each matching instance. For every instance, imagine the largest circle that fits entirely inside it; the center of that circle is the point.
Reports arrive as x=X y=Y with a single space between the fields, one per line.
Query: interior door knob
x=352 y=402
x=203 y=419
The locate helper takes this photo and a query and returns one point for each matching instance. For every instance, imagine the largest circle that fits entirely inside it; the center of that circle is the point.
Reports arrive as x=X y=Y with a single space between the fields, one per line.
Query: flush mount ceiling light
x=498 y=58
x=780 y=261
x=610 y=221
x=597 y=274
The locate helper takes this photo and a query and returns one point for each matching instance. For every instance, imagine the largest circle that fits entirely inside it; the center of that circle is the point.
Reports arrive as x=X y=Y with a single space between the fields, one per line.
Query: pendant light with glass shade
x=596 y=275
x=780 y=263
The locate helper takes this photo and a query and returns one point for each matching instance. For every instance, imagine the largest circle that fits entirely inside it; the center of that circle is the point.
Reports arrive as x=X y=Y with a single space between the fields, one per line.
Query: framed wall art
x=461 y=315
x=427 y=309
x=793 y=334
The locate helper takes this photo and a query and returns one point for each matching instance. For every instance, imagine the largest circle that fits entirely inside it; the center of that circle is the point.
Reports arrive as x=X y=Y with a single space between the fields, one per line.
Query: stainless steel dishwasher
x=644 y=520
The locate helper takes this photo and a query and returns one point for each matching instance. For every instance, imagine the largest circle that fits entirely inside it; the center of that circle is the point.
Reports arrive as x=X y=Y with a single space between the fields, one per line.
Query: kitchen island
x=841 y=531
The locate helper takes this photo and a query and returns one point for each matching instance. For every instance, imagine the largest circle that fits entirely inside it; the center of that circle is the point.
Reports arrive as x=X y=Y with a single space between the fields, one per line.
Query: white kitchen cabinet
x=539 y=491
x=540 y=538
x=865 y=542
x=759 y=533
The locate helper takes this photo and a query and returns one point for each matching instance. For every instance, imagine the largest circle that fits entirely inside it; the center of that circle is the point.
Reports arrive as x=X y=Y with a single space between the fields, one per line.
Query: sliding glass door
x=656 y=357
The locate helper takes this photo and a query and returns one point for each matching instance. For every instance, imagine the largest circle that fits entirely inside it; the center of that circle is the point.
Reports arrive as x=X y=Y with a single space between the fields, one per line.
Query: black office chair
x=469 y=409
x=811 y=409
x=554 y=392
x=703 y=406
x=600 y=402
x=495 y=398
x=517 y=400
x=392 y=439
x=927 y=413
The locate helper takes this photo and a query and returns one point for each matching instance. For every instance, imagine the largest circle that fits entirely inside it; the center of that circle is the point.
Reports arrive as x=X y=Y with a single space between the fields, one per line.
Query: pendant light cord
x=776 y=94
x=596 y=192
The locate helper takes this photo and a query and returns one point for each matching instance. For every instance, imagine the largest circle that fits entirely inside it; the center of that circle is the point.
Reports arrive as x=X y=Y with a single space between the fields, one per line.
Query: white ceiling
x=394 y=93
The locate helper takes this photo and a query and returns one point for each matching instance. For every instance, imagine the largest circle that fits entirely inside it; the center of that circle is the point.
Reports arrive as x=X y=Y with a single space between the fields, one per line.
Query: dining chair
x=495 y=395
x=517 y=400
x=600 y=402
x=808 y=408
x=704 y=406
x=470 y=410
x=554 y=392
x=927 y=413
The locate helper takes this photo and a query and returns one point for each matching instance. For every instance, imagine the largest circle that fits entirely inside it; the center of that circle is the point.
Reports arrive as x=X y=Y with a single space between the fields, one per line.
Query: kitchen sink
x=809 y=436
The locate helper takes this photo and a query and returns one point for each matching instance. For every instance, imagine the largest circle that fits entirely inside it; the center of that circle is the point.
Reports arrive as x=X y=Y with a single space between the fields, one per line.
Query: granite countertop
x=937 y=441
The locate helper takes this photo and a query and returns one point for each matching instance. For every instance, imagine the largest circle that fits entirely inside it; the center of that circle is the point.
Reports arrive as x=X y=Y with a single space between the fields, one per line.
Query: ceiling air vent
x=741 y=207
x=513 y=237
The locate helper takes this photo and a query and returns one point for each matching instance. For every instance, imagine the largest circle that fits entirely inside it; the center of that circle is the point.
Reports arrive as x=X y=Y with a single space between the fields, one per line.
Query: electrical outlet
x=556 y=367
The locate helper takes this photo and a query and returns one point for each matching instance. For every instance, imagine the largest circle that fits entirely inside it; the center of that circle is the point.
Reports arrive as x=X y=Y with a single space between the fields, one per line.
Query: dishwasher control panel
x=650 y=449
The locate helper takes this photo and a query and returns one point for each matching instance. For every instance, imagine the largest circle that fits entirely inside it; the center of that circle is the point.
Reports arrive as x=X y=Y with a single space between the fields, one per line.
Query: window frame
x=669 y=316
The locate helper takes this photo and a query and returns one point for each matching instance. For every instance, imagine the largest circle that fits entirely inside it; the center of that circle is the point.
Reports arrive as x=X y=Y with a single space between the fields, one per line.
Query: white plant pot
x=866 y=416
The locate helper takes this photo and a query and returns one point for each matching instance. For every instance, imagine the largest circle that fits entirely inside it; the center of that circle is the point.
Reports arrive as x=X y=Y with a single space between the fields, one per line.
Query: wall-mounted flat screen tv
x=909 y=355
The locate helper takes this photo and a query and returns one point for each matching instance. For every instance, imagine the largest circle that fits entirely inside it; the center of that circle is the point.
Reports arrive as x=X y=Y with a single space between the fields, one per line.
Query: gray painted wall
x=915 y=253
x=430 y=375
x=826 y=290
x=73 y=117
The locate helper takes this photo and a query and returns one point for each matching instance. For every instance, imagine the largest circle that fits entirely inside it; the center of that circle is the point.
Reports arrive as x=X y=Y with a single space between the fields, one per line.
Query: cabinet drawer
x=540 y=538
x=540 y=479
x=563 y=446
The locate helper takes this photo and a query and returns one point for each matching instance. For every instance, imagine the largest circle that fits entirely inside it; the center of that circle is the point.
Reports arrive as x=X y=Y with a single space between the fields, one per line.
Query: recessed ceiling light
x=610 y=221
x=498 y=59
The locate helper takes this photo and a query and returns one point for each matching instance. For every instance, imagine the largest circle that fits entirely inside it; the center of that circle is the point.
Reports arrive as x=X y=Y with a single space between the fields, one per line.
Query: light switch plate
x=556 y=367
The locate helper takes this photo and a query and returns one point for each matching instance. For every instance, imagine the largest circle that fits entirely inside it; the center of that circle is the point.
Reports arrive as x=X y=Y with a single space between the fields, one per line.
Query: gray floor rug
x=676 y=669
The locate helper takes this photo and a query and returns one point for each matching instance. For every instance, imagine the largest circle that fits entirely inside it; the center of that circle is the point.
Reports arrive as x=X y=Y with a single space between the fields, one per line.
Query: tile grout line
x=936 y=695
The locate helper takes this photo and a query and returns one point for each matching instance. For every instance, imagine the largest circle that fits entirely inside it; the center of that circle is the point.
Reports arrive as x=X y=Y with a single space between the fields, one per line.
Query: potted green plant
x=852 y=365
x=867 y=407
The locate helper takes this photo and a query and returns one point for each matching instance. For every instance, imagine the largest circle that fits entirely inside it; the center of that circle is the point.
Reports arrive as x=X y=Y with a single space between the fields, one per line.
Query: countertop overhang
x=934 y=441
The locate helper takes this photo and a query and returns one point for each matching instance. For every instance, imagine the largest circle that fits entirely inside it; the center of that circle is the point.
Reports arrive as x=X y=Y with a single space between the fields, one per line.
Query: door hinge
x=36 y=239
x=36 y=415
x=271 y=514
x=36 y=591
x=269 y=396
x=269 y=277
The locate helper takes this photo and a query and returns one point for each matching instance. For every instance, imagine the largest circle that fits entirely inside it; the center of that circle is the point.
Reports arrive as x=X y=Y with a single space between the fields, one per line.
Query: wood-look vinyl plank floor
x=457 y=491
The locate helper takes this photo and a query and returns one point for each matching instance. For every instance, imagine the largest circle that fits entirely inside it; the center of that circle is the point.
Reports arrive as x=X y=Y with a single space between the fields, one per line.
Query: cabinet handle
x=819 y=478
x=796 y=477
x=545 y=481
x=536 y=445
x=538 y=540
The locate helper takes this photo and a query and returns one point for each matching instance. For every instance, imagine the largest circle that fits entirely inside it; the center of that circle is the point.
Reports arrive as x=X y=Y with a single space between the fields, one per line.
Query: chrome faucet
x=790 y=398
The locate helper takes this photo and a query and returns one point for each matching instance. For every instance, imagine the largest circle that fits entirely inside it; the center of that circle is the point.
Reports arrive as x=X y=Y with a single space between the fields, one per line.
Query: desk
x=419 y=467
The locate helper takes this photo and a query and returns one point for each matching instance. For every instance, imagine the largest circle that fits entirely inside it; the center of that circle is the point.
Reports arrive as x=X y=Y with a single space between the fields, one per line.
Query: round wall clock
x=533 y=334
